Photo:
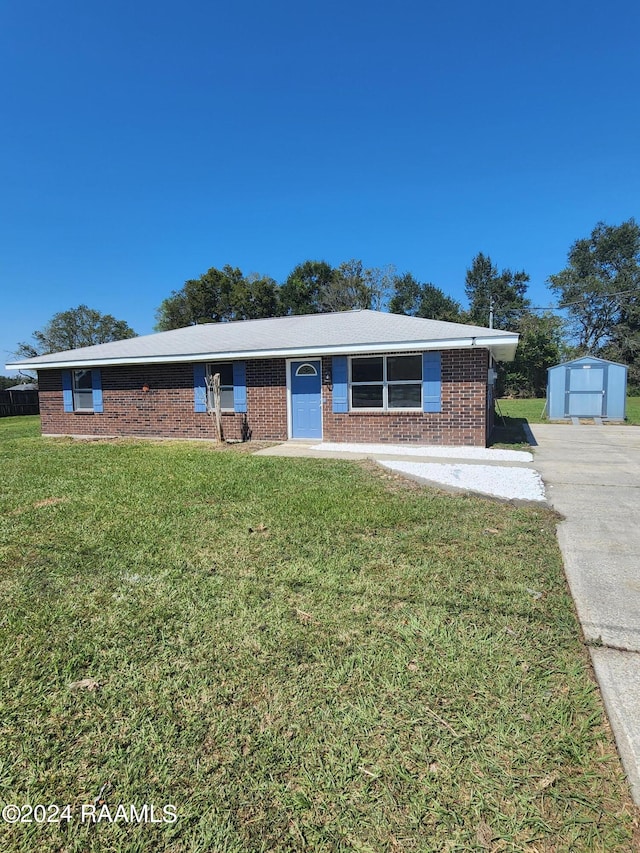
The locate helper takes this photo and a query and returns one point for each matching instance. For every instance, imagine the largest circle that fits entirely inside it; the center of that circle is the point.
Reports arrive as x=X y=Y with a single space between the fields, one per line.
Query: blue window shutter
x=199 y=388
x=96 y=383
x=67 y=391
x=340 y=384
x=431 y=381
x=239 y=386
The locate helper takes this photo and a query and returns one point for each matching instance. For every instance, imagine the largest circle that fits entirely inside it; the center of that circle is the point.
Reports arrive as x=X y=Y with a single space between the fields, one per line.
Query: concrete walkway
x=314 y=448
x=500 y=473
x=592 y=474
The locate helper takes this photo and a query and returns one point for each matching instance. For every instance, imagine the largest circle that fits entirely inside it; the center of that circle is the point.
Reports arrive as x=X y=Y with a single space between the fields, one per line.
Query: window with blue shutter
x=82 y=390
x=339 y=375
x=233 y=385
x=431 y=382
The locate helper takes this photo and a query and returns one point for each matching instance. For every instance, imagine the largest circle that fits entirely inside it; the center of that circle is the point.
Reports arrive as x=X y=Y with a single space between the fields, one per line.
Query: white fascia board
x=284 y=352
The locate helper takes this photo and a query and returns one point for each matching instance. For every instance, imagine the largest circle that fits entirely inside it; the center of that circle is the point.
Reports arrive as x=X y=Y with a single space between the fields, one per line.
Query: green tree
x=624 y=340
x=208 y=299
x=406 y=295
x=600 y=287
x=347 y=288
x=435 y=304
x=380 y=283
x=77 y=327
x=8 y=382
x=304 y=290
x=539 y=348
x=354 y=287
x=502 y=294
x=314 y=287
x=254 y=298
x=423 y=300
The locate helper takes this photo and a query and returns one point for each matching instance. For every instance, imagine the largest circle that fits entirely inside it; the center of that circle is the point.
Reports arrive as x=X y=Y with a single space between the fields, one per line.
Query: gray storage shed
x=587 y=387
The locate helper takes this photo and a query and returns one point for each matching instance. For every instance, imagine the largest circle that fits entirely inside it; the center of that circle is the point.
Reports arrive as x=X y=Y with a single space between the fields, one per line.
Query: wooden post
x=217 y=407
x=214 y=406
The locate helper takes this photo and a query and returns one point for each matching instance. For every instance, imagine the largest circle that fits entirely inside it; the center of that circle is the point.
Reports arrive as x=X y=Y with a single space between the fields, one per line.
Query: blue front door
x=306 y=399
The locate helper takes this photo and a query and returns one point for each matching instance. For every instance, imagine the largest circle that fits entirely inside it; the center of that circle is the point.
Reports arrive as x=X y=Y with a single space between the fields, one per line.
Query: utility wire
x=568 y=304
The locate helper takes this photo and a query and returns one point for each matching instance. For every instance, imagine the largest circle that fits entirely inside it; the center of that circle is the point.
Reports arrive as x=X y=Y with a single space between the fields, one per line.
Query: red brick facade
x=462 y=420
x=167 y=408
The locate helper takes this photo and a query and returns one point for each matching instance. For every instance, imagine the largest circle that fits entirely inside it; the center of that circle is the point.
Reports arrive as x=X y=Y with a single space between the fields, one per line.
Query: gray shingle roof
x=310 y=334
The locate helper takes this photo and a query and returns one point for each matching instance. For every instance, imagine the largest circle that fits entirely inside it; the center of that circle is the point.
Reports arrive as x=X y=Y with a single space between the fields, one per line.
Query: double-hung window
x=82 y=390
x=225 y=369
x=233 y=386
x=386 y=382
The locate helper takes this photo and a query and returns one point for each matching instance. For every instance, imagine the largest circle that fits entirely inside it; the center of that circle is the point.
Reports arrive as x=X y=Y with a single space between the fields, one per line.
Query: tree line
x=598 y=293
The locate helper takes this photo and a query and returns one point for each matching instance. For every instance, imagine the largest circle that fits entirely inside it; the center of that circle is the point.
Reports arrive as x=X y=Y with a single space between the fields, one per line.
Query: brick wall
x=462 y=419
x=166 y=410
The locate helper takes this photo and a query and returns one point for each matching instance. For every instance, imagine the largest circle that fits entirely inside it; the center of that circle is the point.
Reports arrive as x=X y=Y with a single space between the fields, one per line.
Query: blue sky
x=144 y=142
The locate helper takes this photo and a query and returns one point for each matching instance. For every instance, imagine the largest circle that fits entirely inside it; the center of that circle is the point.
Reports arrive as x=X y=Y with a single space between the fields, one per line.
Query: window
x=306 y=370
x=225 y=369
x=233 y=382
x=82 y=390
x=386 y=382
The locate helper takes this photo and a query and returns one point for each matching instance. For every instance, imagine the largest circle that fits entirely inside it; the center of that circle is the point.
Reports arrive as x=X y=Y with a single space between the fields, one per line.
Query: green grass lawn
x=298 y=654
x=633 y=410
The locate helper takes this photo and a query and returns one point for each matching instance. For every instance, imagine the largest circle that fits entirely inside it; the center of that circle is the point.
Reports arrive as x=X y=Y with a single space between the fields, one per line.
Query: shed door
x=306 y=399
x=585 y=391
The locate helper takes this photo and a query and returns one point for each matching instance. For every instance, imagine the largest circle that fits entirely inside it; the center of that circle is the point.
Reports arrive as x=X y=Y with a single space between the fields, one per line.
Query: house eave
x=501 y=347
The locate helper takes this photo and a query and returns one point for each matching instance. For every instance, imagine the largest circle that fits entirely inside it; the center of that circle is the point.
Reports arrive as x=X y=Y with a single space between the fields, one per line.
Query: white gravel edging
x=496 y=480
x=498 y=454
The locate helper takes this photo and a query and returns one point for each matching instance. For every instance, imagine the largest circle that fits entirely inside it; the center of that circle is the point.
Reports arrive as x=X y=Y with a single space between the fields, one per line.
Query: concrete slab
x=296 y=448
x=618 y=675
x=500 y=481
x=592 y=475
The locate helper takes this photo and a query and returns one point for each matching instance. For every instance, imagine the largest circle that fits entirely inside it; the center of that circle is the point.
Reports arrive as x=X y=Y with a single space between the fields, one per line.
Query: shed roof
x=24 y=386
x=344 y=332
x=585 y=358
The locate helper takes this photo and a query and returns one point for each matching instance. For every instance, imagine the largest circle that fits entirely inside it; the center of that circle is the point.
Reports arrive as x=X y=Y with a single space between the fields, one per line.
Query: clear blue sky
x=144 y=142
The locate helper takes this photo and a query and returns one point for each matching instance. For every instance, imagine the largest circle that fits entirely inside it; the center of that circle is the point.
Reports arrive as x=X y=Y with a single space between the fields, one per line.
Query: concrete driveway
x=592 y=474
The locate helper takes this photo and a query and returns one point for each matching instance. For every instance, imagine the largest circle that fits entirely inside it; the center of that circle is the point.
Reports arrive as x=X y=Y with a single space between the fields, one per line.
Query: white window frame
x=76 y=391
x=385 y=383
x=210 y=373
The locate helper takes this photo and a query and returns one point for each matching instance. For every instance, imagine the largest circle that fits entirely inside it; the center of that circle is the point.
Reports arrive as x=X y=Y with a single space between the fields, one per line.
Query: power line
x=603 y=295
x=569 y=304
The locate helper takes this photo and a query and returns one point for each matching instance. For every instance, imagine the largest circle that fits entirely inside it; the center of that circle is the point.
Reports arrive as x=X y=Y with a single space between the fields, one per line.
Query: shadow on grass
x=512 y=432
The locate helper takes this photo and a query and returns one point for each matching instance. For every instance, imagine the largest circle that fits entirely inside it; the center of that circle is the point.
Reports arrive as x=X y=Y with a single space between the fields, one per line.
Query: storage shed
x=587 y=387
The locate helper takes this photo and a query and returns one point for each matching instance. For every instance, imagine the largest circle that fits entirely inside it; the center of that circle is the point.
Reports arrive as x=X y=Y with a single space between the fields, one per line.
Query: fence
x=18 y=403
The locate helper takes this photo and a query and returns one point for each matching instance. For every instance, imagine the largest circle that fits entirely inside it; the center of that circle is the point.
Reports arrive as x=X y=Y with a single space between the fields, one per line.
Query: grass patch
x=633 y=410
x=531 y=411
x=511 y=420
x=299 y=654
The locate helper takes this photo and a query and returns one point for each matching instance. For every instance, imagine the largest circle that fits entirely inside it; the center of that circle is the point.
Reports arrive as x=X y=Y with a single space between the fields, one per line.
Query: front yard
x=297 y=654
